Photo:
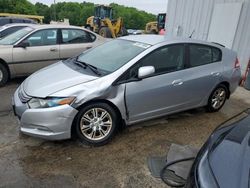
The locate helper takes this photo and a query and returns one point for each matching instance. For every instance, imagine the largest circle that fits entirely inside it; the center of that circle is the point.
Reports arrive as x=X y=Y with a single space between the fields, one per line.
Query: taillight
x=237 y=63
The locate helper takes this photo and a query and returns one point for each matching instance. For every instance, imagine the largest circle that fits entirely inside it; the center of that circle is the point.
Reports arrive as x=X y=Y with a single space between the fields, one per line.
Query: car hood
x=54 y=78
x=230 y=158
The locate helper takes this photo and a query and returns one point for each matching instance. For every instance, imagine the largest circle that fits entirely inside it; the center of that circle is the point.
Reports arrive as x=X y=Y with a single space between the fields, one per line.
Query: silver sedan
x=124 y=81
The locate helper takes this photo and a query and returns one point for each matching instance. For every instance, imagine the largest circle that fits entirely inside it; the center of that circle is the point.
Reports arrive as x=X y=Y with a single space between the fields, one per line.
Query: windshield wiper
x=91 y=67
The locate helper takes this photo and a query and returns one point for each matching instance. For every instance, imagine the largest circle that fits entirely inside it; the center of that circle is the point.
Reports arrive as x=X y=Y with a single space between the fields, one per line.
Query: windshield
x=112 y=55
x=14 y=37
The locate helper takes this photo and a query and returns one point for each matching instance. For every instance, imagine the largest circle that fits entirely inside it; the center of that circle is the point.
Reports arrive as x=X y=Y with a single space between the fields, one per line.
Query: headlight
x=50 y=102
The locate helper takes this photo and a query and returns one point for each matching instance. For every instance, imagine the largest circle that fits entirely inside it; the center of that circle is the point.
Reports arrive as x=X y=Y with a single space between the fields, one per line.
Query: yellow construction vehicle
x=156 y=26
x=103 y=23
x=39 y=19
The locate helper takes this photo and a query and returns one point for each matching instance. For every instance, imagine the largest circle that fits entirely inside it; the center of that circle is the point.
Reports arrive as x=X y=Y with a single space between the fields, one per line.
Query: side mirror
x=23 y=44
x=145 y=71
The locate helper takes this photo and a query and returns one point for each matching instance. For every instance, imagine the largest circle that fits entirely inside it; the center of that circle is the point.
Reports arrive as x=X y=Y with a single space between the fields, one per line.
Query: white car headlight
x=50 y=102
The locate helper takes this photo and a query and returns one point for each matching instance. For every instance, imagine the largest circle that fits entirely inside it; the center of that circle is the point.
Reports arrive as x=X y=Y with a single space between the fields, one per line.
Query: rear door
x=203 y=72
x=42 y=51
x=74 y=42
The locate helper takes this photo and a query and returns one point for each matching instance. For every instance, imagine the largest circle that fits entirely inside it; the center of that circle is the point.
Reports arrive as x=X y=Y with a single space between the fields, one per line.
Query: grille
x=22 y=96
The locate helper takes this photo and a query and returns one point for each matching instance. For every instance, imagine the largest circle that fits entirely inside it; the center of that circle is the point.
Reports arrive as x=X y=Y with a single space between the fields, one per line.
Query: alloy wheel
x=96 y=124
x=218 y=98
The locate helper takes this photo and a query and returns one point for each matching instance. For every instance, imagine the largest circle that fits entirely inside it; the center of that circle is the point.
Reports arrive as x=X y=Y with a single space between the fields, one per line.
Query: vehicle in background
x=134 y=32
x=125 y=81
x=103 y=23
x=36 y=46
x=156 y=26
x=11 y=28
x=224 y=160
x=7 y=18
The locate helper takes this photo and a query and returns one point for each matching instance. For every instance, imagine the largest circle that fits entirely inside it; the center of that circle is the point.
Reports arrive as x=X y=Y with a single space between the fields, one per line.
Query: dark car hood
x=230 y=158
x=54 y=78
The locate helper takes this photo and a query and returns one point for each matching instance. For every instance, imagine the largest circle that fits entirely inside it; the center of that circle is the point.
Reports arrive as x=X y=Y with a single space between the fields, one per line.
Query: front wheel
x=217 y=98
x=96 y=124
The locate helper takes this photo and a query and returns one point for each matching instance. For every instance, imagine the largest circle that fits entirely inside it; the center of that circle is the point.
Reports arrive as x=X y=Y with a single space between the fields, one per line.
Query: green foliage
x=43 y=10
x=17 y=7
x=77 y=13
x=133 y=18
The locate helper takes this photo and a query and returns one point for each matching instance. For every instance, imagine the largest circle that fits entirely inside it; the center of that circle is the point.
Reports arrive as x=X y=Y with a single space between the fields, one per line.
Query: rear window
x=202 y=55
x=216 y=54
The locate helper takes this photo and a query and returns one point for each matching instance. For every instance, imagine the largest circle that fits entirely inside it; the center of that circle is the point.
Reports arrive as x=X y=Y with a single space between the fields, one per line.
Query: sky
x=152 y=6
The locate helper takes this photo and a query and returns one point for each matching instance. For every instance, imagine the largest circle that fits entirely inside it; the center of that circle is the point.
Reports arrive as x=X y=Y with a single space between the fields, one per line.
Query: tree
x=43 y=10
x=77 y=13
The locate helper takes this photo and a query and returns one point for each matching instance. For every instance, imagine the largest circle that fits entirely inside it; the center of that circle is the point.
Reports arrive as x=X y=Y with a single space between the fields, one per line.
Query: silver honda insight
x=124 y=81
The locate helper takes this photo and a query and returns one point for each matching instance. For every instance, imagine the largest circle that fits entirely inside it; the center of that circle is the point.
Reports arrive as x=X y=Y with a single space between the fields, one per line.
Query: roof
x=148 y=39
x=40 y=18
x=156 y=39
x=48 y=26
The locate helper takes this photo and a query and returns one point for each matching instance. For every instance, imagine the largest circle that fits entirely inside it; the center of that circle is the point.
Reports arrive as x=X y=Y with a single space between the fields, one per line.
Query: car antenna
x=192 y=34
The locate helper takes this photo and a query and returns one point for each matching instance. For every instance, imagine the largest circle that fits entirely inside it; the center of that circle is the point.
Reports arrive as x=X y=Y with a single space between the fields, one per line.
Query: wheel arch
x=112 y=105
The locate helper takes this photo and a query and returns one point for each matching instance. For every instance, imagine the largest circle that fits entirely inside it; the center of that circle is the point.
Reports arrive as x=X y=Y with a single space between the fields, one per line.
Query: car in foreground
x=124 y=81
x=11 y=28
x=37 y=46
x=224 y=160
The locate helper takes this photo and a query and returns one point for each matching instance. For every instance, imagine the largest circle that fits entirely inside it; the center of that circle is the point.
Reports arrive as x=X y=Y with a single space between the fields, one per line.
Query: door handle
x=53 y=49
x=177 y=82
x=215 y=73
x=88 y=47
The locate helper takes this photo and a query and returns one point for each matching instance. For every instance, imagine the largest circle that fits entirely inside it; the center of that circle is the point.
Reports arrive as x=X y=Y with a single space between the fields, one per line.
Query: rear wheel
x=123 y=31
x=96 y=124
x=89 y=27
x=217 y=98
x=105 y=32
x=4 y=75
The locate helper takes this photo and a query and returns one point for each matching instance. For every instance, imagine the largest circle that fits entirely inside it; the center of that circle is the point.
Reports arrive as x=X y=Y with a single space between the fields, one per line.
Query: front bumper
x=47 y=123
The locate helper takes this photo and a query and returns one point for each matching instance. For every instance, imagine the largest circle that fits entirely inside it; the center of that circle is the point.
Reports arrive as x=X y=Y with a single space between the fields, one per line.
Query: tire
x=88 y=27
x=4 y=75
x=93 y=131
x=105 y=32
x=123 y=31
x=217 y=98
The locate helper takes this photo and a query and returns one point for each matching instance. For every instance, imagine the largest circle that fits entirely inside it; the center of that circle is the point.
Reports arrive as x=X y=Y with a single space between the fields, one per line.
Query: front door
x=42 y=51
x=162 y=92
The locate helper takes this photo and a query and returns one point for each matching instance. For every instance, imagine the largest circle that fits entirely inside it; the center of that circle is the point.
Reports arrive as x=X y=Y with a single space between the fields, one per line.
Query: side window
x=43 y=38
x=165 y=59
x=16 y=20
x=72 y=36
x=216 y=54
x=4 y=21
x=202 y=55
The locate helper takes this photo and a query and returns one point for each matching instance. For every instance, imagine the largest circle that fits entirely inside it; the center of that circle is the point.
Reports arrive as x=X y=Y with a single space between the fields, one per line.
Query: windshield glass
x=112 y=55
x=14 y=37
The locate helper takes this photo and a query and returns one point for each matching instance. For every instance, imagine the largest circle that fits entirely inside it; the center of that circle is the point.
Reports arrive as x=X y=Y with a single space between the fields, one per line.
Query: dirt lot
x=30 y=162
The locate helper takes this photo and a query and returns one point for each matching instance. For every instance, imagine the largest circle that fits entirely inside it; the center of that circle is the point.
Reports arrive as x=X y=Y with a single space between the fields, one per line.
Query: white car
x=36 y=46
